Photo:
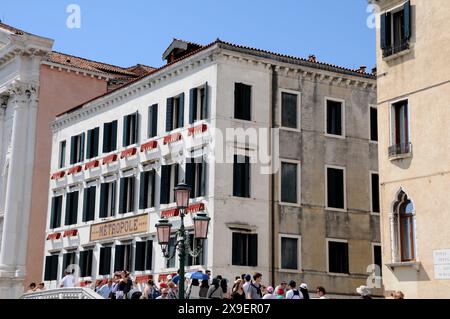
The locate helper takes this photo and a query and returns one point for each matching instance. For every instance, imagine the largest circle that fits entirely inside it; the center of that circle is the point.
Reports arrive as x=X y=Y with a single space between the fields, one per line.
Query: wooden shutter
x=247 y=177
x=55 y=218
x=113 y=146
x=74 y=208
x=136 y=128
x=165 y=184
x=53 y=214
x=203 y=176
x=48 y=268
x=169 y=115
x=153 y=121
x=89 y=144
x=181 y=111
x=103 y=200
x=383 y=38
x=106 y=137
x=139 y=264
x=72 y=150
x=122 y=195
x=96 y=137
x=253 y=250
x=85 y=204
x=153 y=180
x=119 y=258
x=105 y=261
x=149 y=255
x=237 y=177
x=193 y=93
x=131 y=184
x=83 y=263
x=407 y=20
x=54 y=267
x=143 y=190
x=69 y=203
x=205 y=110
x=190 y=178
x=82 y=143
x=90 y=255
x=125 y=135
x=247 y=99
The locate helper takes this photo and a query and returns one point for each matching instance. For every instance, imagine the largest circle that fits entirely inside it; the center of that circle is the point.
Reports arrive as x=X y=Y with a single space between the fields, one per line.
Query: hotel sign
x=119 y=228
x=441 y=264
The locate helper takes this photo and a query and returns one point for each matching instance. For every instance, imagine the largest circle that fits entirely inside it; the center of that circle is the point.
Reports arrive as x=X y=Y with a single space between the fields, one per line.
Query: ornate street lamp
x=183 y=245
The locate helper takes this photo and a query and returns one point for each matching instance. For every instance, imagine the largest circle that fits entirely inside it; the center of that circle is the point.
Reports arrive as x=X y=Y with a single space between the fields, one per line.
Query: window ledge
x=290 y=271
x=396 y=55
x=290 y=129
x=410 y=264
x=333 y=274
x=341 y=137
x=400 y=156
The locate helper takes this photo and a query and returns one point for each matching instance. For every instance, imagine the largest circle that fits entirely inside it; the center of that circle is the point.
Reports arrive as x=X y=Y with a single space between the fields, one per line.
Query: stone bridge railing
x=63 y=293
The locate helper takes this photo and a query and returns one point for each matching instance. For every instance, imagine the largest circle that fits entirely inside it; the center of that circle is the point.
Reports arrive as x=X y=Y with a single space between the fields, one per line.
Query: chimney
x=374 y=71
x=362 y=69
x=312 y=58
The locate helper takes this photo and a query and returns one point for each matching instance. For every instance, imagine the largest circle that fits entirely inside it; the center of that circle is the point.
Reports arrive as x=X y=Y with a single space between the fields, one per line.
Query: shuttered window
x=373 y=124
x=77 y=149
x=105 y=261
x=69 y=259
x=170 y=178
x=92 y=143
x=195 y=177
x=198 y=104
x=108 y=199
x=245 y=249
x=153 y=121
x=175 y=113
x=71 y=208
x=395 y=31
x=110 y=137
x=375 y=180
x=147 y=190
x=56 y=212
x=334 y=118
x=289 y=110
x=170 y=263
x=62 y=154
x=123 y=258
x=242 y=101
x=51 y=268
x=335 y=188
x=126 y=200
x=89 y=204
x=377 y=258
x=86 y=258
x=241 y=176
x=289 y=183
x=338 y=261
x=130 y=129
x=289 y=253
x=143 y=256
x=194 y=261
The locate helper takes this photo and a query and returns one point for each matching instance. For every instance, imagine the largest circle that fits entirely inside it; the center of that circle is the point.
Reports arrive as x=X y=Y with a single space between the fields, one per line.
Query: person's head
x=151 y=283
x=257 y=277
x=292 y=284
x=243 y=276
x=269 y=290
x=41 y=286
x=399 y=295
x=304 y=286
x=205 y=283
x=236 y=278
x=195 y=282
x=283 y=284
x=321 y=291
x=219 y=277
x=364 y=291
x=248 y=278
x=171 y=285
x=215 y=283
x=164 y=293
x=238 y=284
x=224 y=285
x=32 y=285
x=280 y=291
x=110 y=282
x=208 y=272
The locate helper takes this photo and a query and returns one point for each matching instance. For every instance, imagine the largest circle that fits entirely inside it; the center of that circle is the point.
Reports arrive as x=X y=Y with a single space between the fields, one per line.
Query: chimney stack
x=312 y=58
x=362 y=69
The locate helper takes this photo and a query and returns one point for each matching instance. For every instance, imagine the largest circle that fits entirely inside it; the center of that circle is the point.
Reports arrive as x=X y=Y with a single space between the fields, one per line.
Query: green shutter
x=52 y=214
x=85 y=204
x=125 y=135
x=149 y=255
x=169 y=115
x=122 y=196
x=203 y=177
x=119 y=258
x=165 y=185
x=89 y=144
x=181 y=111
x=72 y=150
x=96 y=137
x=153 y=180
x=192 y=105
x=113 y=146
x=190 y=177
x=407 y=19
x=205 y=110
x=136 y=128
x=252 y=250
x=69 y=204
x=139 y=262
x=153 y=121
x=143 y=190
x=83 y=141
x=106 y=137
x=82 y=263
x=103 y=200
x=48 y=268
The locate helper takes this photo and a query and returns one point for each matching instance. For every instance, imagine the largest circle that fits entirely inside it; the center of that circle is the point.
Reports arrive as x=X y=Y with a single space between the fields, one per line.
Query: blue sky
x=136 y=31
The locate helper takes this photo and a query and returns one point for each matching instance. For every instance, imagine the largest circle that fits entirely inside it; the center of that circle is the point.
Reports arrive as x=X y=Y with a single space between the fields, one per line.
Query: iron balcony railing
x=400 y=149
x=394 y=49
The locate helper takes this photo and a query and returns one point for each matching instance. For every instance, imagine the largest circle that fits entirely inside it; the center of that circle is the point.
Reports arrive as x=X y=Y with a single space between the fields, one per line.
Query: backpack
x=295 y=293
x=258 y=289
x=154 y=294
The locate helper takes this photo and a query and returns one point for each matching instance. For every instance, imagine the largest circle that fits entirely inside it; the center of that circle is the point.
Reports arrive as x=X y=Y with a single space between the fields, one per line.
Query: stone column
x=18 y=195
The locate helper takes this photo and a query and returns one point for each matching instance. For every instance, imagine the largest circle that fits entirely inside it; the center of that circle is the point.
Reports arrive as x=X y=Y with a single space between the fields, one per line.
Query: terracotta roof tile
x=11 y=29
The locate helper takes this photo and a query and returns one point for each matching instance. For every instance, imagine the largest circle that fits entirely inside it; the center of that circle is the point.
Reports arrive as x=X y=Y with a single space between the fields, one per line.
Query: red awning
x=149 y=146
x=129 y=152
x=54 y=236
x=92 y=164
x=85 y=283
x=71 y=233
x=172 y=138
x=199 y=129
x=163 y=277
x=195 y=208
x=143 y=279
x=58 y=175
x=170 y=213
x=109 y=159
x=192 y=209
x=74 y=170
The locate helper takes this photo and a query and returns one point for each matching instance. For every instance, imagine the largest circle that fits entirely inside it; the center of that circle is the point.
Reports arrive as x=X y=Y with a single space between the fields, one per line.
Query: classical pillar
x=18 y=192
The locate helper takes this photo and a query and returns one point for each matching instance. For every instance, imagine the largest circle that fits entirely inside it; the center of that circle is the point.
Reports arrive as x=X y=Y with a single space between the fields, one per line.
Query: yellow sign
x=118 y=228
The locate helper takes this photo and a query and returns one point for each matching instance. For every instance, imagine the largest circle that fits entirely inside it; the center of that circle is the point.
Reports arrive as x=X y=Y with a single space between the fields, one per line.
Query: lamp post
x=163 y=227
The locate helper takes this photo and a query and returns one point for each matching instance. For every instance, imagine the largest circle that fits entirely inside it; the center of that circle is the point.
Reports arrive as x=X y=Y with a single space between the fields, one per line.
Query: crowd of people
x=244 y=287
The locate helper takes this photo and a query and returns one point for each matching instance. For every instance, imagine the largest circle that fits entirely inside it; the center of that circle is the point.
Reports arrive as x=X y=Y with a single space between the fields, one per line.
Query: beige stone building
x=413 y=58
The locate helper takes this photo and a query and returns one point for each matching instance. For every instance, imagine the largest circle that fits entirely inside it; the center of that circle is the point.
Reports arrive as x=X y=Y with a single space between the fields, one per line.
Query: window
x=404 y=223
x=194 y=261
x=399 y=129
x=242 y=101
x=196 y=177
x=51 y=268
x=375 y=187
x=110 y=137
x=377 y=258
x=396 y=30
x=175 y=113
x=241 y=176
x=89 y=204
x=86 y=263
x=153 y=121
x=71 y=208
x=170 y=262
x=123 y=258
x=130 y=129
x=245 y=249
x=335 y=117
x=105 y=261
x=170 y=177
x=147 y=190
x=144 y=252
x=198 y=104
x=126 y=200
x=289 y=253
x=62 y=154
x=289 y=110
x=335 y=188
x=92 y=143
x=373 y=124
x=56 y=212
x=77 y=149
x=108 y=199
x=69 y=259
x=289 y=183
x=338 y=257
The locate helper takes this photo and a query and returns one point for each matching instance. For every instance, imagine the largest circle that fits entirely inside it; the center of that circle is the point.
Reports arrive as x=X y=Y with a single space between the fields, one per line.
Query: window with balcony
x=77 y=149
x=395 y=30
x=400 y=143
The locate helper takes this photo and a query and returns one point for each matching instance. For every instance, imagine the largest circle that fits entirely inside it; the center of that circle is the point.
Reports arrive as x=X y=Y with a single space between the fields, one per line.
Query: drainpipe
x=274 y=89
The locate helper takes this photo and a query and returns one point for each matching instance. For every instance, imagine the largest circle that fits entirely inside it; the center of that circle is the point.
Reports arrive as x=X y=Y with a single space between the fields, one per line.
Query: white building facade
x=206 y=118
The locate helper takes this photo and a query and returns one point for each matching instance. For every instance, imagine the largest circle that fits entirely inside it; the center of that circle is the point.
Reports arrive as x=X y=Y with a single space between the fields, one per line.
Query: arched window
x=403 y=226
